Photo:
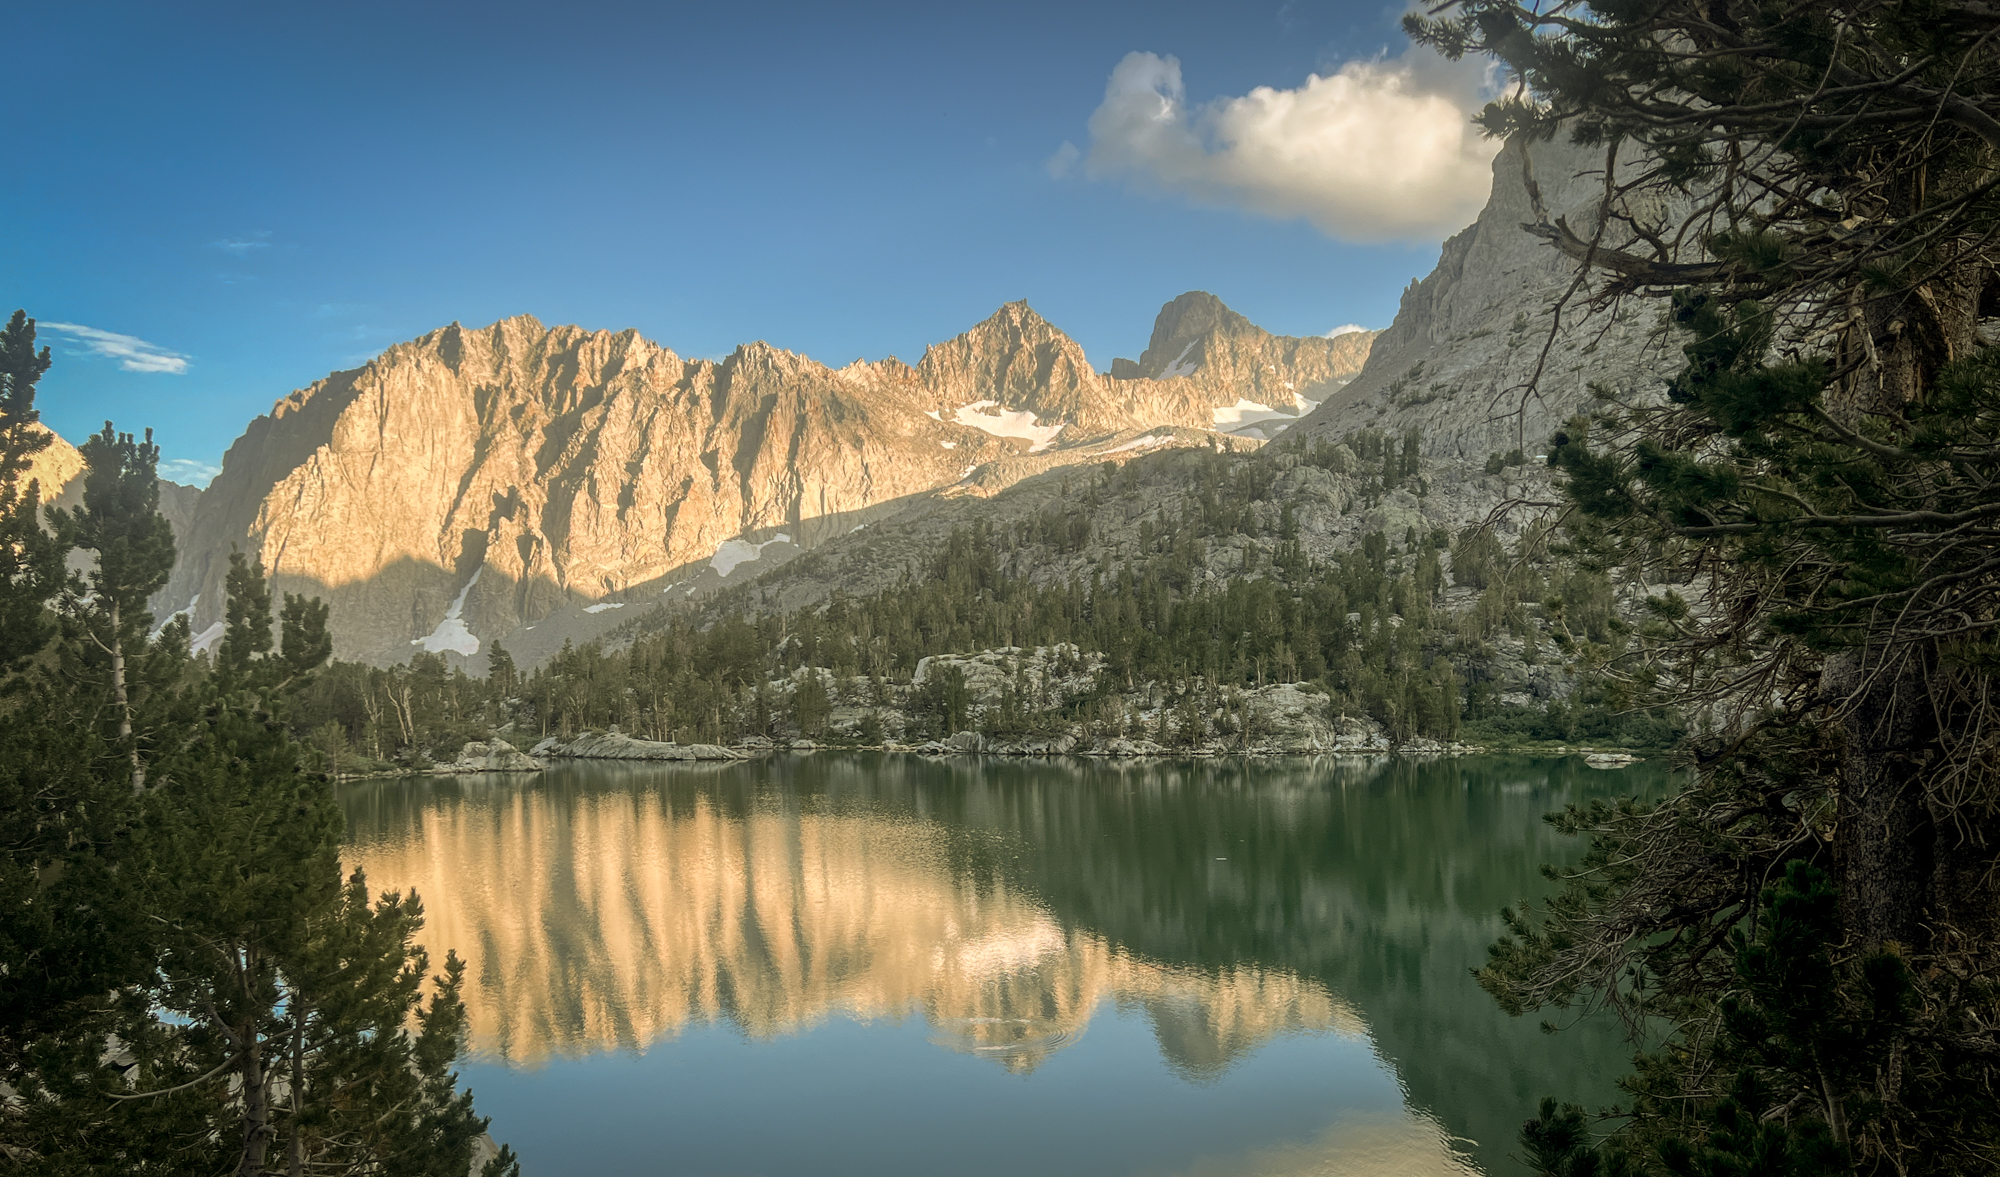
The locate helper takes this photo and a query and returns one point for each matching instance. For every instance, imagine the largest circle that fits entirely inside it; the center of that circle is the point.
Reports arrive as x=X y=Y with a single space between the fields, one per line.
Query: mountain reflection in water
x=601 y=919
x=609 y=908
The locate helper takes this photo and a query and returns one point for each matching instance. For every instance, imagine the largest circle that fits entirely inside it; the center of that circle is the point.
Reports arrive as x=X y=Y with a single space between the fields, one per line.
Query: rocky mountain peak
x=1015 y=359
x=1181 y=328
x=517 y=481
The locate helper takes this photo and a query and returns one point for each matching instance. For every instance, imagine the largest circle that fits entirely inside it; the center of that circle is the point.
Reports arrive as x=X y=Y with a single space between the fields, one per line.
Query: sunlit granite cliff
x=470 y=483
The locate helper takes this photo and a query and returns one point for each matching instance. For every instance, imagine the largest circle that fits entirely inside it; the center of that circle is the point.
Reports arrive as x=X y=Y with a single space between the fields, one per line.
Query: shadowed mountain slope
x=1469 y=338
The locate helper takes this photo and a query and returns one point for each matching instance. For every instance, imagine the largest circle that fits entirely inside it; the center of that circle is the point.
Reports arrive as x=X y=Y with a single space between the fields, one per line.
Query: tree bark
x=1885 y=833
x=121 y=697
x=1887 y=841
x=256 y=1109
x=296 y=1166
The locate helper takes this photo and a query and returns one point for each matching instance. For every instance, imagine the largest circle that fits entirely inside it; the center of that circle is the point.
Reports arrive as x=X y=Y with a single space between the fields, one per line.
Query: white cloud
x=189 y=471
x=1345 y=329
x=132 y=353
x=1381 y=150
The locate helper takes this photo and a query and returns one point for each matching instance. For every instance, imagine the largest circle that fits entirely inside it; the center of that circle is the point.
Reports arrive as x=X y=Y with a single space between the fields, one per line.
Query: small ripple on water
x=1018 y=1044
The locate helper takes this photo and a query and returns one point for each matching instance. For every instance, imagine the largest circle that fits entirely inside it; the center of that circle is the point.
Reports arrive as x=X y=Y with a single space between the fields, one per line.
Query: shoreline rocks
x=1610 y=759
x=494 y=755
x=616 y=745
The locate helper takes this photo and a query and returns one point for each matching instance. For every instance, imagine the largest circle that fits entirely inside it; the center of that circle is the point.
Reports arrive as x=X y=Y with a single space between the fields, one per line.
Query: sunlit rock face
x=468 y=484
x=1241 y=378
x=546 y=464
x=54 y=468
x=625 y=917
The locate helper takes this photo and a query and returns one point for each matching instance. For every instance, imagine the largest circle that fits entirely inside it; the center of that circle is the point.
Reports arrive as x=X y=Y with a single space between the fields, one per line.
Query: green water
x=895 y=965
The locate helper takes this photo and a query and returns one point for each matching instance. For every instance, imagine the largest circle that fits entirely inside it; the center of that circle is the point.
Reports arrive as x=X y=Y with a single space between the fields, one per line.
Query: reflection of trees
x=1003 y=899
x=599 y=917
x=1380 y=878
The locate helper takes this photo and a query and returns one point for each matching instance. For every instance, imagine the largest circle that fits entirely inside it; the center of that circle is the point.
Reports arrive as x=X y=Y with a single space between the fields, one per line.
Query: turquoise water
x=883 y=965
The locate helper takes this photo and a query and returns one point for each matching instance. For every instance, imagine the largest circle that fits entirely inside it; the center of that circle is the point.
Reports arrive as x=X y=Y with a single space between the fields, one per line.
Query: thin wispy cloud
x=245 y=245
x=1380 y=150
x=189 y=471
x=132 y=353
x=1345 y=329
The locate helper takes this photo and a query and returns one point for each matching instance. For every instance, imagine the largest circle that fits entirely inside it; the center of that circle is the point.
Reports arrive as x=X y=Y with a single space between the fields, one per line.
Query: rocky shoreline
x=498 y=756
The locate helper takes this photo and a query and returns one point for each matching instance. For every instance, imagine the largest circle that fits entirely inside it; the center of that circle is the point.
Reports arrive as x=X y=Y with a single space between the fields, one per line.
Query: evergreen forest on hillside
x=1369 y=629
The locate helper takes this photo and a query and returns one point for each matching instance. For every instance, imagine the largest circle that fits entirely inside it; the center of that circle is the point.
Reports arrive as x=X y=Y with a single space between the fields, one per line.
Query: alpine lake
x=888 y=964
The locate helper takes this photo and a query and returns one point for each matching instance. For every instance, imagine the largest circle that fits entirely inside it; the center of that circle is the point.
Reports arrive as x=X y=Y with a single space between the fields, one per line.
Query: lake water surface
x=890 y=965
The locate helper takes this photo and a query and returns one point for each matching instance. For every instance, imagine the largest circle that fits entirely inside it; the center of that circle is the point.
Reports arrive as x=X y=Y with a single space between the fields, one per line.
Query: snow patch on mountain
x=1245 y=412
x=987 y=417
x=1138 y=443
x=739 y=551
x=1178 y=368
x=451 y=633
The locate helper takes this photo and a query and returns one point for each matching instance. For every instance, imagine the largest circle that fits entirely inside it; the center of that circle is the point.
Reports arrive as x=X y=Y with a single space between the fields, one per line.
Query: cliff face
x=1467 y=340
x=469 y=484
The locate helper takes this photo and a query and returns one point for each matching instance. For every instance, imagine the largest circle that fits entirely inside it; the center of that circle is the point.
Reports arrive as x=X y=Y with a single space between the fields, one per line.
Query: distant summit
x=1257 y=383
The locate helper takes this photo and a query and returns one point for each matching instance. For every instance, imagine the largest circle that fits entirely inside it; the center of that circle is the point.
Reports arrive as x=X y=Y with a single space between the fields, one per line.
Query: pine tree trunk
x=1885 y=832
x=256 y=1109
x=1900 y=867
x=122 y=700
x=296 y=1166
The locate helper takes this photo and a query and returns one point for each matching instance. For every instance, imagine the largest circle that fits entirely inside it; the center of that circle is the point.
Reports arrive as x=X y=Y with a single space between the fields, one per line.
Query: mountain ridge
x=471 y=483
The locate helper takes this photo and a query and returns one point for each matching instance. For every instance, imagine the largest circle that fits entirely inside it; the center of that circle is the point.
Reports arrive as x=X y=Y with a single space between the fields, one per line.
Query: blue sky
x=222 y=203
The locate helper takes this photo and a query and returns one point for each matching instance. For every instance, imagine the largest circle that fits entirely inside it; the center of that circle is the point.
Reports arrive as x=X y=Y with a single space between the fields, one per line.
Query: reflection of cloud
x=1380 y=150
x=189 y=471
x=618 y=919
x=1358 y=1145
x=132 y=353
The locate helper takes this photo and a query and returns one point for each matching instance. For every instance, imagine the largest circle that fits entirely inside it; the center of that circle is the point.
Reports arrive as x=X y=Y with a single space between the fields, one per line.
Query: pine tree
x=1810 y=189
x=120 y=525
x=162 y=850
x=305 y=1019
x=30 y=558
x=70 y=927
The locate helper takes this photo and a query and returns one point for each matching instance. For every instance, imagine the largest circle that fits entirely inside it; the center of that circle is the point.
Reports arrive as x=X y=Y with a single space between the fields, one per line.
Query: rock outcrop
x=1458 y=360
x=615 y=745
x=494 y=755
x=474 y=485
